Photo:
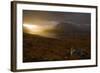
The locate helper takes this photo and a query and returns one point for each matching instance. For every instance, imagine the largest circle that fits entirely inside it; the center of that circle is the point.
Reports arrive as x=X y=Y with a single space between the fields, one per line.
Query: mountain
x=67 y=28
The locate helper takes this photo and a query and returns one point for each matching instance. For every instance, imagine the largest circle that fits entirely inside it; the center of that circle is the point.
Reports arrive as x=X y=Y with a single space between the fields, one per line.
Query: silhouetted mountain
x=66 y=28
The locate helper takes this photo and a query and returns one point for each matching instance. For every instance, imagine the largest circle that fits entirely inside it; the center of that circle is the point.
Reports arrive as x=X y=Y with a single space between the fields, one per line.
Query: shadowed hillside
x=38 y=48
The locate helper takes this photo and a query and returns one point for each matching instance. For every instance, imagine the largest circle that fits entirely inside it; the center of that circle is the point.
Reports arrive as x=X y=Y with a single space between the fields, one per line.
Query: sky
x=46 y=23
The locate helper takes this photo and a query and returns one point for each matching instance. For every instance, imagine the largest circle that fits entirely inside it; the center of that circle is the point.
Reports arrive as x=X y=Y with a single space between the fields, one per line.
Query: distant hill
x=67 y=28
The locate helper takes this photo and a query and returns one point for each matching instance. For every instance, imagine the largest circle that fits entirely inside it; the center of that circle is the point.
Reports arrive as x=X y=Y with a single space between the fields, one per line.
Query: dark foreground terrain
x=37 y=48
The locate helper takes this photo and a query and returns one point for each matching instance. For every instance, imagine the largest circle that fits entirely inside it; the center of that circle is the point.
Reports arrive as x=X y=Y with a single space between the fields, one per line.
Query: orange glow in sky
x=41 y=30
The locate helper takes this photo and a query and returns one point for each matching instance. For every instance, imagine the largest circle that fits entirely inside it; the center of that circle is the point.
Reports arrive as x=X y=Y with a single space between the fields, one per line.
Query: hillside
x=38 y=48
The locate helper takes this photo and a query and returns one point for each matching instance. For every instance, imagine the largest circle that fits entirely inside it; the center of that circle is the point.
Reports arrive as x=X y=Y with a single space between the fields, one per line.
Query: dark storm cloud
x=77 y=18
